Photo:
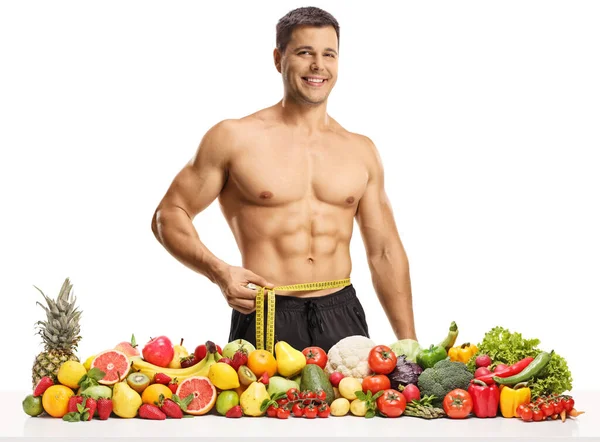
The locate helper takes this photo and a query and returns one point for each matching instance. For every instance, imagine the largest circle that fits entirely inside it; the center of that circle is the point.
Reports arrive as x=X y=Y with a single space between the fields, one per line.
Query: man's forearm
x=174 y=230
x=391 y=280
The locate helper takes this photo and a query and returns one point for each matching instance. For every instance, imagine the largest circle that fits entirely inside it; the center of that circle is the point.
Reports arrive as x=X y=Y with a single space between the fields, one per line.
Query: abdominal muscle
x=299 y=242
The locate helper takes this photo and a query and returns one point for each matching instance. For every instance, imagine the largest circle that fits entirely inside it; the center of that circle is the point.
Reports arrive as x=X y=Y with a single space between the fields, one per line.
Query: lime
x=226 y=401
x=33 y=405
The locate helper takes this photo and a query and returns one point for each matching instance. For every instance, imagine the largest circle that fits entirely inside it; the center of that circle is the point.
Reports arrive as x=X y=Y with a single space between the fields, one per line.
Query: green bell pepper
x=428 y=357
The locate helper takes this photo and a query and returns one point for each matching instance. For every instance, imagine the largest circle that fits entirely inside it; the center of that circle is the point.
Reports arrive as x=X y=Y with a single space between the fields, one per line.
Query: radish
x=481 y=371
x=335 y=378
x=411 y=392
x=483 y=361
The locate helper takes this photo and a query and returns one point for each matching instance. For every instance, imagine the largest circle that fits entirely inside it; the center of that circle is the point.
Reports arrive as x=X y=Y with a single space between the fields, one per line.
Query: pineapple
x=60 y=333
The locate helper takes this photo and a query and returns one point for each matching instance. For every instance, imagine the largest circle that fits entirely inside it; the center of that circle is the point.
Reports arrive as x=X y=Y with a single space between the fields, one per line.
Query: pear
x=179 y=351
x=126 y=400
x=252 y=398
x=277 y=384
x=289 y=360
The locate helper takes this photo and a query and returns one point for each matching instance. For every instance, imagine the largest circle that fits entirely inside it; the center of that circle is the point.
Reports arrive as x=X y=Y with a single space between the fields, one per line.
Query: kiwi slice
x=138 y=381
x=246 y=376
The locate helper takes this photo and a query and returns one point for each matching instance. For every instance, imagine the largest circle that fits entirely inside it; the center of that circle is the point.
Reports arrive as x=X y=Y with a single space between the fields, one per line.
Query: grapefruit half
x=205 y=394
x=114 y=363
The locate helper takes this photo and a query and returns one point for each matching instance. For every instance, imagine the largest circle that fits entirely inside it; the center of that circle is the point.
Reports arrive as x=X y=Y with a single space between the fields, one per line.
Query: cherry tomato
x=315 y=355
x=558 y=406
x=321 y=395
x=308 y=395
x=569 y=403
x=282 y=402
x=547 y=409
x=323 y=410
x=283 y=413
x=382 y=360
x=302 y=394
x=376 y=383
x=538 y=415
x=458 y=404
x=527 y=414
x=392 y=403
x=310 y=412
x=272 y=411
x=292 y=394
x=298 y=409
x=519 y=410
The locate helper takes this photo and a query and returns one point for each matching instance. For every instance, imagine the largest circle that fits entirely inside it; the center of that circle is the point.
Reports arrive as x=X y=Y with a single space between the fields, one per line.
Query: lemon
x=70 y=373
x=223 y=376
x=88 y=362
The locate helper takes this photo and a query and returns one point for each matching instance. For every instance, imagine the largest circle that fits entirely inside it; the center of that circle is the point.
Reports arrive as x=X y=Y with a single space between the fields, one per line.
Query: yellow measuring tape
x=260 y=306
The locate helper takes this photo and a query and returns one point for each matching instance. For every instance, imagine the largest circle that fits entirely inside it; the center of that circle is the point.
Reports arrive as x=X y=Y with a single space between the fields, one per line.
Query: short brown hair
x=306 y=16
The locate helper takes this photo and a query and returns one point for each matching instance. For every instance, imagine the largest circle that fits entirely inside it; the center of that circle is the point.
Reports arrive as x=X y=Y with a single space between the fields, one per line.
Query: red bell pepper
x=485 y=398
x=515 y=368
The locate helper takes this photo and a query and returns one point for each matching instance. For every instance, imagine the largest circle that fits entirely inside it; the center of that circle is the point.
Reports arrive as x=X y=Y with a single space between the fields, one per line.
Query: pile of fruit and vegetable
x=505 y=375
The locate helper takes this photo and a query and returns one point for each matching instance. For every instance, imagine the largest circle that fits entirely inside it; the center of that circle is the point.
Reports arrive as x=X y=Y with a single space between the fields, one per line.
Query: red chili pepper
x=515 y=368
x=485 y=398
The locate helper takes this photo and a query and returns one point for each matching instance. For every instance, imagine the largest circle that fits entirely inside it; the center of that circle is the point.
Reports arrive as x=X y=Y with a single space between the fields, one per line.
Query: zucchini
x=528 y=372
x=450 y=339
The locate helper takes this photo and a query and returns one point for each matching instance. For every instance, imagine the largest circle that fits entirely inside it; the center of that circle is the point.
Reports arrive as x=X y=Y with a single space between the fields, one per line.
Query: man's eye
x=330 y=55
x=303 y=52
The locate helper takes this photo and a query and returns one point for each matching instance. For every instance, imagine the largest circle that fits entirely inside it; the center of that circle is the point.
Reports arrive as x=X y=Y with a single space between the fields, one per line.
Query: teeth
x=315 y=80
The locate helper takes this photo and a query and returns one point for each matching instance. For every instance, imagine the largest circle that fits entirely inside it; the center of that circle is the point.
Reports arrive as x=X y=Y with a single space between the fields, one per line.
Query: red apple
x=481 y=371
x=483 y=361
x=335 y=378
x=159 y=351
x=200 y=352
x=129 y=348
x=410 y=392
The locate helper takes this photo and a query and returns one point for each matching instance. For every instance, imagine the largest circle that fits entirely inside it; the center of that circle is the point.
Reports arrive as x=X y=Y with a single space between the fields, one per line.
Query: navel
x=310 y=260
x=350 y=199
x=266 y=195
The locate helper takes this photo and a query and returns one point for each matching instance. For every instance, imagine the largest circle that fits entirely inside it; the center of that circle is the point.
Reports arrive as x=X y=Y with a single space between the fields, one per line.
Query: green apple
x=230 y=349
x=226 y=401
x=277 y=384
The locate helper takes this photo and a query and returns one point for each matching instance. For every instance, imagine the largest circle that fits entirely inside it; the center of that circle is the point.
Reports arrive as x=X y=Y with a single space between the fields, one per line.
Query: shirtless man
x=290 y=181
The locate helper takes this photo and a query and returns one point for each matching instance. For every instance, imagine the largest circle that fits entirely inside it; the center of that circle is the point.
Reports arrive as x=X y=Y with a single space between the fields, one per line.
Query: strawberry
x=149 y=411
x=239 y=358
x=42 y=385
x=171 y=409
x=72 y=405
x=234 y=412
x=173 y=386
x=161 y=378
x=105 y=407
x=91 y=405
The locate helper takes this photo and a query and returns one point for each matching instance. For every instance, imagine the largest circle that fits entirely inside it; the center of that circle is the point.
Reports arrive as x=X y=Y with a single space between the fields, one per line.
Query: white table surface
x=16 y=424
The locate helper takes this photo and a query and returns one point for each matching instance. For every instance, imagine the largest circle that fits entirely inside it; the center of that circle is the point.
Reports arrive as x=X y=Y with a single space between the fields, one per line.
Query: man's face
x=310 y=63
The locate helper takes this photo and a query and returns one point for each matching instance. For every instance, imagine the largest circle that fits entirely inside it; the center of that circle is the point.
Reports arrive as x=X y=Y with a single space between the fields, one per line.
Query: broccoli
x=442 y=378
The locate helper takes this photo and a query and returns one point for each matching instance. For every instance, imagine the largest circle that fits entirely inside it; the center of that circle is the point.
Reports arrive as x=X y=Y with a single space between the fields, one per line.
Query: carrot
x=555 y=416
x=563 y=415
x=575 y=413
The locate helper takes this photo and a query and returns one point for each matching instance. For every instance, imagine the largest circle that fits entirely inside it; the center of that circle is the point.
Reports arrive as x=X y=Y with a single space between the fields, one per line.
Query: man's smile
x=314 y=81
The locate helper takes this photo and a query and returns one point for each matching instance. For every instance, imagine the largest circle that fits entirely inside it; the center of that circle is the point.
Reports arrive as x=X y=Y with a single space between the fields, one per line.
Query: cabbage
x=407 y=347
x=405 y=373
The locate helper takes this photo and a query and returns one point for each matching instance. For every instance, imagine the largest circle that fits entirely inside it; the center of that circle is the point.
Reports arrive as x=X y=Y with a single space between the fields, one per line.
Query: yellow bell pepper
x=511 y=398
x=462 y=353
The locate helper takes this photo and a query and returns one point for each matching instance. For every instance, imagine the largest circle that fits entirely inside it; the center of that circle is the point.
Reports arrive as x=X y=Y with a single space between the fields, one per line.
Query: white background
x=485 y=114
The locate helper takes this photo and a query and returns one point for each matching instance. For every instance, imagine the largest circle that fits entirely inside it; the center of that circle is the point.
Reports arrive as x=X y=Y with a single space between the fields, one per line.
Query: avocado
x=314 y=378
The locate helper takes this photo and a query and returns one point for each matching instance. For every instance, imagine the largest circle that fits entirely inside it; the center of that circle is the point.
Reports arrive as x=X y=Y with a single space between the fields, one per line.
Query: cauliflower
x=350 y=357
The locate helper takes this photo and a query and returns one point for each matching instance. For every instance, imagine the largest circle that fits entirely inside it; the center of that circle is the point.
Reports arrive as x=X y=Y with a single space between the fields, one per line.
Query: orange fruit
x=152 y=392
x=260 y=361
x=55 y=400
x=203 y=391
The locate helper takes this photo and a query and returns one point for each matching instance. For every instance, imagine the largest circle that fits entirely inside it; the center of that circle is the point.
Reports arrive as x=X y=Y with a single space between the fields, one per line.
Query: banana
x=211 y=359
x=150 y=370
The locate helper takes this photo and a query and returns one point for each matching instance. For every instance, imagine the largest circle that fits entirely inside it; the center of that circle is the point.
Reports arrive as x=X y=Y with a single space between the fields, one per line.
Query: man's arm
x=385 y=253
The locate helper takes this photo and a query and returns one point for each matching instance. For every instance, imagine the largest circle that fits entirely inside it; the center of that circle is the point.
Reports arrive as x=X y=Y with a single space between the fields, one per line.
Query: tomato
x=569 y=403
x=376 y=383
x=310 y=412
x=321 y=395
x=527 y=414
x=298 y=409
x=519 y=410
x=282 y=402
x=538 y=415
x=323 y=410
x=308 y=395
x=382 y=360
x=272 y=411
x=315 y=355
x=458 y=404
x=547 y=409
x=392 y=403
x=283 y=413
x=292 y=394
x=558 y=406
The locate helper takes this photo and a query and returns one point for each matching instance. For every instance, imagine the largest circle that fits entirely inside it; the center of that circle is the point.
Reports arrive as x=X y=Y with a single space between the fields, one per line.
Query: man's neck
x=304 y=117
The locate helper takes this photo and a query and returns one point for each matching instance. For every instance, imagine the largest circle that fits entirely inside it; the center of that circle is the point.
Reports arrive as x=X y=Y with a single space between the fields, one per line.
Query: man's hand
x=233 y=281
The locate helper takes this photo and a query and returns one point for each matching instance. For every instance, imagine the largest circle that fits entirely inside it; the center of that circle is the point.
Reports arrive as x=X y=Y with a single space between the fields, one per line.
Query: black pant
x=304 y=322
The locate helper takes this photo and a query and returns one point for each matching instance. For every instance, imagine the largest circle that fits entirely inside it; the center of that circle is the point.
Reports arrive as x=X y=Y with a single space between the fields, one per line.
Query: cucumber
x=450 y=338
x=314 y=378
x=528 y=372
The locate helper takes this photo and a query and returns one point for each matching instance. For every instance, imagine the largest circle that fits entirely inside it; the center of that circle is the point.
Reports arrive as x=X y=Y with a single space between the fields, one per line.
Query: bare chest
x=281 y=171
